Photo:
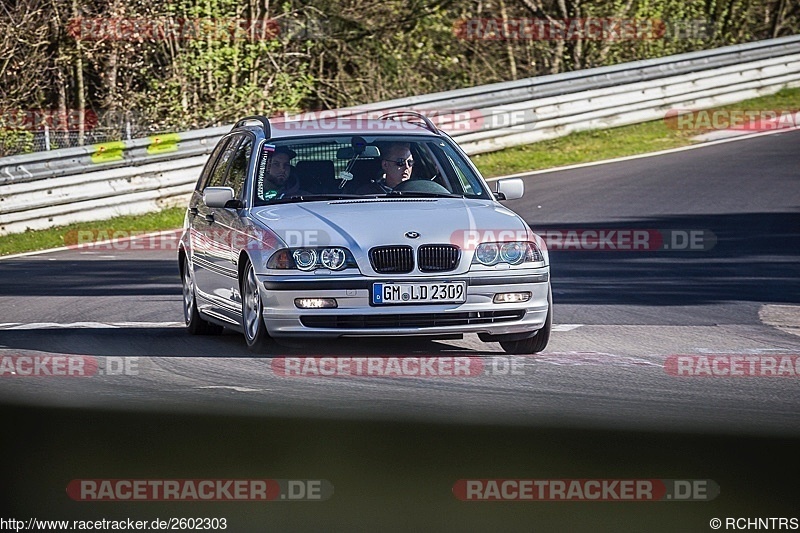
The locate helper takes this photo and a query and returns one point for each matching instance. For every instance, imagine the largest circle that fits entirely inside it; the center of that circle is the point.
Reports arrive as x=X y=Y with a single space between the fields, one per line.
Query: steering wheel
x=421 y=186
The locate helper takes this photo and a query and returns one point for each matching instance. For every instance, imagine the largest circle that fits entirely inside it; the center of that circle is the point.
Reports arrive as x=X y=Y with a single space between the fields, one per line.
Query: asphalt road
x=715 y=274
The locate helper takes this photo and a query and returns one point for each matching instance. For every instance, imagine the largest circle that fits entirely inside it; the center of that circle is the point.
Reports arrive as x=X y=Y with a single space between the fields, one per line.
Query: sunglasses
x=401 y=163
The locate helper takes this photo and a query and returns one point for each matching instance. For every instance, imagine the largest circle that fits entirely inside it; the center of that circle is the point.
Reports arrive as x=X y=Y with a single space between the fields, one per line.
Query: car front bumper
x=354 y=315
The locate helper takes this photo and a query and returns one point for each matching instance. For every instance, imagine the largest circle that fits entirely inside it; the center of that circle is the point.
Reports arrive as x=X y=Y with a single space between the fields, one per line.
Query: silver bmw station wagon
x=373 y=228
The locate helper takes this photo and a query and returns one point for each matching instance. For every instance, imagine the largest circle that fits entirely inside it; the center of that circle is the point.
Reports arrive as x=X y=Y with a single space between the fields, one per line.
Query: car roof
x=321 y=125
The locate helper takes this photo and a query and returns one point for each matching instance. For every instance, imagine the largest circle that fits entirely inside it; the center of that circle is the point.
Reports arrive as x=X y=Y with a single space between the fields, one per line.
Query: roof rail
x=264 y=124
x=429 y=125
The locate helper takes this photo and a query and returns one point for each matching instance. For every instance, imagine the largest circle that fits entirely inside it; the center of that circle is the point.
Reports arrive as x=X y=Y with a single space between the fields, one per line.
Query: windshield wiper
x=313 y=198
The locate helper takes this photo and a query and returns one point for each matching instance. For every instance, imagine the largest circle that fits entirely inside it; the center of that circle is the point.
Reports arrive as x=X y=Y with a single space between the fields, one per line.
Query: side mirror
x=220 y=197
x=509 y=189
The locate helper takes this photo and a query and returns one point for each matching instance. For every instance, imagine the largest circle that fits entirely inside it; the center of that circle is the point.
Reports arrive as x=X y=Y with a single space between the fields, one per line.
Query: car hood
x=360 y=224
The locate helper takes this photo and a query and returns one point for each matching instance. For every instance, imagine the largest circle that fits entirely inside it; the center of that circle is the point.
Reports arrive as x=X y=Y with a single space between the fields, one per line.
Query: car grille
x=414 y=320
x=437 y=257
x=392 y=259
x=400 y=259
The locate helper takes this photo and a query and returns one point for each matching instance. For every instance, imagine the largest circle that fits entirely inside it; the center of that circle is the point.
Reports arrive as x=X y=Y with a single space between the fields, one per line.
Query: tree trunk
x=512 y=63
x=61 y=98
x=79 y=84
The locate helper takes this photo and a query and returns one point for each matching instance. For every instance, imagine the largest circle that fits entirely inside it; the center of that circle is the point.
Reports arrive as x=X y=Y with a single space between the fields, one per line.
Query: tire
x=255 y=331
x=195 y=324
x=538 y=342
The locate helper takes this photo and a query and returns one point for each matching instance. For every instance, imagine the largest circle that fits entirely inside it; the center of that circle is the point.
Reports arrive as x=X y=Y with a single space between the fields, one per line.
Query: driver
x=396 y=165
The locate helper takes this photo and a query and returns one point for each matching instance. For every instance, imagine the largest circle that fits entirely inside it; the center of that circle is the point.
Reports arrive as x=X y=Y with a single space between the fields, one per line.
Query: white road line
x=113 y=325
x=230 y=387
x=37 y=252
x=90 y=325
x=591 y=359
x=566 y=327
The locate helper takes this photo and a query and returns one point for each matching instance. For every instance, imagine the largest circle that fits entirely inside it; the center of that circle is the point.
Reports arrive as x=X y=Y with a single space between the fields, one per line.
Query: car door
x=212 y=251
x=229 y=230
x=196 y=246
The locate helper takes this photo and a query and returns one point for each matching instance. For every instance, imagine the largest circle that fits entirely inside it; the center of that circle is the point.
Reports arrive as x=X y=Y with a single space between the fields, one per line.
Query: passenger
x=279 y=182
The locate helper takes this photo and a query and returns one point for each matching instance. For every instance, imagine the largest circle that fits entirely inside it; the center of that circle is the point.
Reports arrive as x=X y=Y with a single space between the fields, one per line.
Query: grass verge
x=54 y=237
x=582 y=147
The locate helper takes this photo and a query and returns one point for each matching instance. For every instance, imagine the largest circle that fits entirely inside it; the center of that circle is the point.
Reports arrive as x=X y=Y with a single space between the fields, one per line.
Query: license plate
x=411 y=293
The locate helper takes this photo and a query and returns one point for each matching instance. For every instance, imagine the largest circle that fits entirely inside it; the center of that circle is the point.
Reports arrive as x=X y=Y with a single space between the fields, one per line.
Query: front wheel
x=255 y=331
x=538 y=342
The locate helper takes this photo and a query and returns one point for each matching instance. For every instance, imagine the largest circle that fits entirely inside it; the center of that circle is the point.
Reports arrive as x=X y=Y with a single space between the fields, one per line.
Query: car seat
x=315 y=176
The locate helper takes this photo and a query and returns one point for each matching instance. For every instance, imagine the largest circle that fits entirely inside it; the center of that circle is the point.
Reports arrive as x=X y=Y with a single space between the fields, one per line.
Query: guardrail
x=58 y=187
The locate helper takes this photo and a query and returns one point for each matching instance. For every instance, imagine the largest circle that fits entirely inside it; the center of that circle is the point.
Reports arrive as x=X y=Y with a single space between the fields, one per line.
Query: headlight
x=487 y=253
x=514 y=253
x=333 y=258
x=307 y=259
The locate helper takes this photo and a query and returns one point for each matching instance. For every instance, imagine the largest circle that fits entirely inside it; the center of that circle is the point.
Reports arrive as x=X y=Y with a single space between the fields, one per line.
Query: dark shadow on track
x=175 y=342
x=756 y=258
x=97 y=277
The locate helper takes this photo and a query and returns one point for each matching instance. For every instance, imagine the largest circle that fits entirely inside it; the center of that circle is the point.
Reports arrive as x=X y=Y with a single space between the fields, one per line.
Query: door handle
x=210 y=218
x=193 y=211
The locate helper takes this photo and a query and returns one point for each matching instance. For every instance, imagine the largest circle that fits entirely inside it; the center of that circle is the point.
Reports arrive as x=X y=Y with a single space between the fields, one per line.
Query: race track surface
x=667 y=271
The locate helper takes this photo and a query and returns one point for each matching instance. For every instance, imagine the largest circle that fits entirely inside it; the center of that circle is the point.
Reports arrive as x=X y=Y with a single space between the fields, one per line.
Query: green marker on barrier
x=110 y=151
x=164 y=143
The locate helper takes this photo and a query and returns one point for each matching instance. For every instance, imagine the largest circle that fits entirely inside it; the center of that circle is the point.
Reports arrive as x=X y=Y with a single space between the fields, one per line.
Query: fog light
x=315 y=303
x=511 y=297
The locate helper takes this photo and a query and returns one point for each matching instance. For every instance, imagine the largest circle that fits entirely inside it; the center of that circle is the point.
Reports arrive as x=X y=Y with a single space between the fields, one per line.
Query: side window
x=209 y=166
x=217 y=178
x=237 y=175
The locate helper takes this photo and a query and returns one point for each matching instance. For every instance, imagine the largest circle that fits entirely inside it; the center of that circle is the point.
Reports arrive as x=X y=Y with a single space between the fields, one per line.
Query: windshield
x=312 y=169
